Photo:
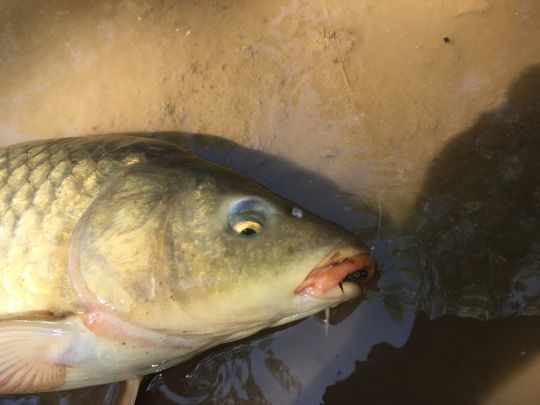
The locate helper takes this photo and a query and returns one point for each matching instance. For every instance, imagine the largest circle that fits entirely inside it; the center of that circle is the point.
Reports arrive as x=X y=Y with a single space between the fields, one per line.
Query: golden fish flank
x=114 y=250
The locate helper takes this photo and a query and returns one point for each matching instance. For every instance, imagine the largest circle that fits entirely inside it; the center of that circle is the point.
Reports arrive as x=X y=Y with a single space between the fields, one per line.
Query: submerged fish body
x=124 y=255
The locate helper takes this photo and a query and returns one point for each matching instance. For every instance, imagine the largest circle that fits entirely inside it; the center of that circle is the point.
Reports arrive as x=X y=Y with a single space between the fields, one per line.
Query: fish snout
x=341 y=273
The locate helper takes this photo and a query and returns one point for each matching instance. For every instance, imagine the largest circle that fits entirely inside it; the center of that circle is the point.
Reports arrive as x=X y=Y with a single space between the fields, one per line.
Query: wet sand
x=424 y=112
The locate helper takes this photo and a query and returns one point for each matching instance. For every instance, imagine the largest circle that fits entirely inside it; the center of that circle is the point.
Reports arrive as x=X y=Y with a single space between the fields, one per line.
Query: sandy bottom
x=424 y=114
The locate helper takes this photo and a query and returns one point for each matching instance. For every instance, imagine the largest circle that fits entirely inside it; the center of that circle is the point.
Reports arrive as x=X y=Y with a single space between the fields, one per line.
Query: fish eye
x=247 y=228
x=247 y=217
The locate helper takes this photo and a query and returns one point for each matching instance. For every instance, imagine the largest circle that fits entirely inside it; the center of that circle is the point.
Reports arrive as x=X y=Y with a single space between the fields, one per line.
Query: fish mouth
x=340 y=274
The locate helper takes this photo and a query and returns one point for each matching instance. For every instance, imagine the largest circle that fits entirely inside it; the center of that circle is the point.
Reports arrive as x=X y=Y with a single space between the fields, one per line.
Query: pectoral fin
x=27 y=356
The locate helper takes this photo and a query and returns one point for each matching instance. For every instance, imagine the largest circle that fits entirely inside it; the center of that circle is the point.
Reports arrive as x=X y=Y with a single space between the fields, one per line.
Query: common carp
x=122 y=256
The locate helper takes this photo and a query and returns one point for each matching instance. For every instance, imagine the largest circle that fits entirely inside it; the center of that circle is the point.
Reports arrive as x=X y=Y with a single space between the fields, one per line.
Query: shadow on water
x=477 y=222
x=476 y=234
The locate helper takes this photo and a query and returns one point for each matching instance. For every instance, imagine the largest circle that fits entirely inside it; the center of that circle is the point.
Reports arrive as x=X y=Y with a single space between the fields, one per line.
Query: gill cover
x=117 y=262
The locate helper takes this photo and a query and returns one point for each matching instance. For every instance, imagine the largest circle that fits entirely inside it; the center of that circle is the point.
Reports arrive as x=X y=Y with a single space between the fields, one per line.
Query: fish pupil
x=248 y=231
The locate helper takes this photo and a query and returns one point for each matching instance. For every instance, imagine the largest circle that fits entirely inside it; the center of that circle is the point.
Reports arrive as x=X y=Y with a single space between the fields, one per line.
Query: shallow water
x=361 y=112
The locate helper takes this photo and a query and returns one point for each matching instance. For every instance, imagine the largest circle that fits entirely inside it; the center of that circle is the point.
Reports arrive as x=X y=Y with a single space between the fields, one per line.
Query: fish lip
x=327 y=279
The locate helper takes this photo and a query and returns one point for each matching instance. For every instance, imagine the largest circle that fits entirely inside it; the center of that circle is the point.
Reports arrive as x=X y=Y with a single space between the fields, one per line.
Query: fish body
x=125 y=255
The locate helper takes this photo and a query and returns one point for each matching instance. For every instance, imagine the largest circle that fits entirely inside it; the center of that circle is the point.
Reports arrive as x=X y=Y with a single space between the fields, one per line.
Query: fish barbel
x=125 y=255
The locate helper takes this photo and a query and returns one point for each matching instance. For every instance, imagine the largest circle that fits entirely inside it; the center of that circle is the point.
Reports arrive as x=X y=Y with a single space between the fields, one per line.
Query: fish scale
x=44 y=189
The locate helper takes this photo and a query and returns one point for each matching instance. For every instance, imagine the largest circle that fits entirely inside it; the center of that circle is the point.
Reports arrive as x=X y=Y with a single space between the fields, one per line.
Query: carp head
x=198 y=251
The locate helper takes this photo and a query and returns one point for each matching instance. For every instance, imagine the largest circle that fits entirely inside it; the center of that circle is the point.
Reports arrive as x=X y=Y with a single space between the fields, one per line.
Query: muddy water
x=415 y=124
